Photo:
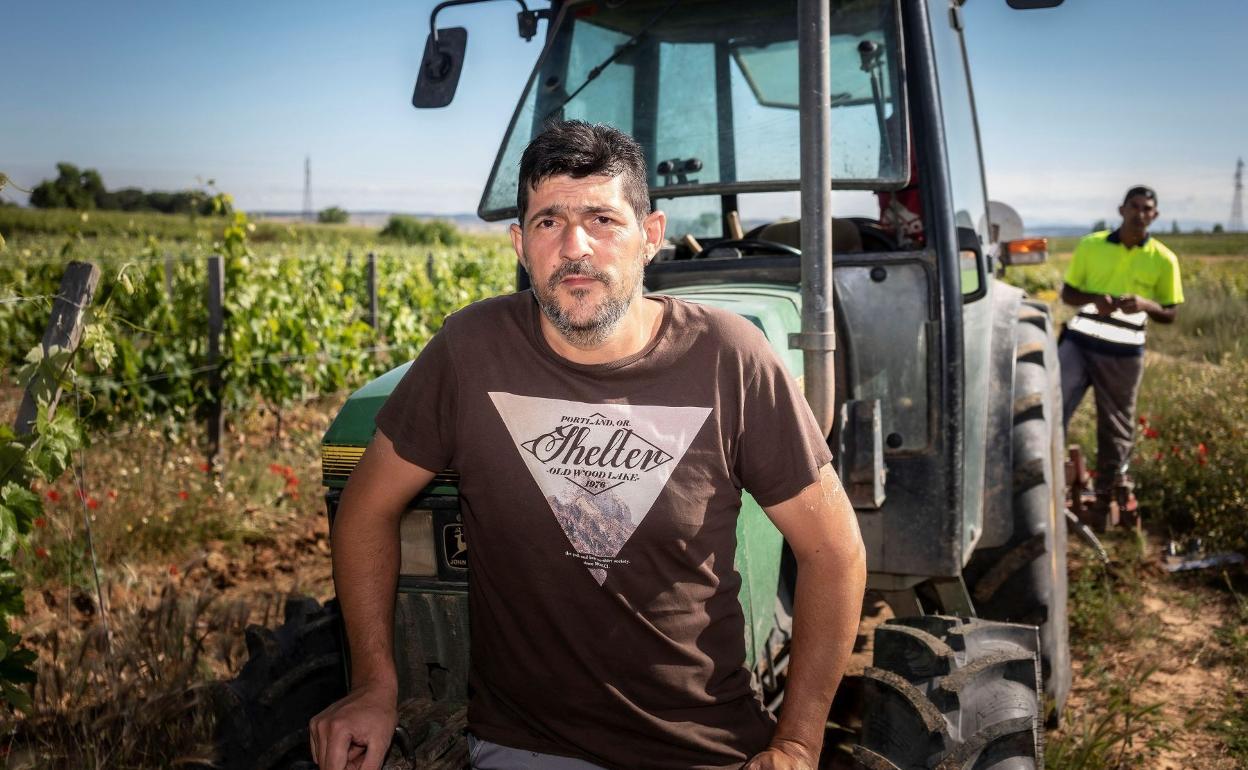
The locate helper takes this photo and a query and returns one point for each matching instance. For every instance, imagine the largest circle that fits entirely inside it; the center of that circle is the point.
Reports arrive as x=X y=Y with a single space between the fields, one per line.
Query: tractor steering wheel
x=751 y=244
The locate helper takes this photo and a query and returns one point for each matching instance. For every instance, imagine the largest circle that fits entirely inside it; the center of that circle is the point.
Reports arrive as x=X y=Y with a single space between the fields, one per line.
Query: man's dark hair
x=1140 y=189
x=578 y=149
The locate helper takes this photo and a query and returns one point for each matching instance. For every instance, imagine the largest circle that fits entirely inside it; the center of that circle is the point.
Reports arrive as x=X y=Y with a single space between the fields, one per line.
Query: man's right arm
x=1072 y=296
x=356 y=731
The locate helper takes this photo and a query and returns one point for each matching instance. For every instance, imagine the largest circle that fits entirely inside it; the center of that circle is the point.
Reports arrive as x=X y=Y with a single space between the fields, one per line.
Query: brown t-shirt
x=600 y=503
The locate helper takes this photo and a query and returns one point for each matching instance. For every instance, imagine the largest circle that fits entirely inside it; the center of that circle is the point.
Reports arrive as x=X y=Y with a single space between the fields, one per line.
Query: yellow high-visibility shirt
x=1102 y=265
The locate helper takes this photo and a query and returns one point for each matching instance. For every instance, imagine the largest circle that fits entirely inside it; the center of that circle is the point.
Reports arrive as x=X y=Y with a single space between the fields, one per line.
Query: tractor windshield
x=709 y=88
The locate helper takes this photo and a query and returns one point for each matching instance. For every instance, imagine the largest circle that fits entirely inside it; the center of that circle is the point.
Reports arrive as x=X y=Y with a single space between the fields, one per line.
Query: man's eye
x=602 y=219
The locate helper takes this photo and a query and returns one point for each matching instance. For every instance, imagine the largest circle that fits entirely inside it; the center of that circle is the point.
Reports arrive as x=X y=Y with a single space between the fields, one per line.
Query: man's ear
x=1122 y=211
x=517 y=243
x=654 y=226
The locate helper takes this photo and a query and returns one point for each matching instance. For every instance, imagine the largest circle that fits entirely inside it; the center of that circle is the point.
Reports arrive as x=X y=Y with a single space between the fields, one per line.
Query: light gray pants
x=1115 y=383
x=485 y=755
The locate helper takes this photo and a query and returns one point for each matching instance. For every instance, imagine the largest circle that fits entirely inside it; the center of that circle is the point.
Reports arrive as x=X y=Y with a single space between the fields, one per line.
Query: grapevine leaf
x=9 y=532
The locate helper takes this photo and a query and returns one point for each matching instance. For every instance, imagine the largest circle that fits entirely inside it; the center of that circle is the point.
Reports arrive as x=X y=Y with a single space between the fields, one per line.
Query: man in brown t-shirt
x=603 y=439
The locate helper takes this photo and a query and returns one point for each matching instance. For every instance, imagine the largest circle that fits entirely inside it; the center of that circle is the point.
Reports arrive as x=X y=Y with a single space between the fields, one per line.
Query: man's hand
x=1105 y=304
x=782 y=755
x=1132 y=303
x=355 y=732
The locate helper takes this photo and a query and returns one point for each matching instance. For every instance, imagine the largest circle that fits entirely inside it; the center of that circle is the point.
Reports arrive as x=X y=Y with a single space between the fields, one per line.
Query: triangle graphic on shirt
x=599 y=466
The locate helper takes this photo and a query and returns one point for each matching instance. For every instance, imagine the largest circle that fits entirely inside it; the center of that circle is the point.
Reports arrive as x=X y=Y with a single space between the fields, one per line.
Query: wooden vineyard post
x=372 y=289
x=429 y=267
x=216 y=325
x=64 y=331
x=169 y=269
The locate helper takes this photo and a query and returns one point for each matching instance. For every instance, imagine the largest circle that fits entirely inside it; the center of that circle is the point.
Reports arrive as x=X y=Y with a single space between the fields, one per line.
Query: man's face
x=1138 y=213
x=585 y=251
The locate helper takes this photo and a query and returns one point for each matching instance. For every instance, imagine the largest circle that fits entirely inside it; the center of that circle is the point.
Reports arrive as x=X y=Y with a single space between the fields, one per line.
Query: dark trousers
x=1115 y=383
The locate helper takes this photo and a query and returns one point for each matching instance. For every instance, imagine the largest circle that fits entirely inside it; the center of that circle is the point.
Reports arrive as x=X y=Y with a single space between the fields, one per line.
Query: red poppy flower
x=173 y=569
x=1150 y=433
x=1202 y=450
x=112 y=494
x=1143 y=421
x=92 y=503
x=183 y=495
x=41 y=522
x=54 y=496
x=275 y=468
x=41 y=552
x=205 y=467
x=1157 y=456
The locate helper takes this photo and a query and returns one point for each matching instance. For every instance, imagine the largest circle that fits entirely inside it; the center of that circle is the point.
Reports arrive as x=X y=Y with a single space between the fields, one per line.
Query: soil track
x=1172 y=649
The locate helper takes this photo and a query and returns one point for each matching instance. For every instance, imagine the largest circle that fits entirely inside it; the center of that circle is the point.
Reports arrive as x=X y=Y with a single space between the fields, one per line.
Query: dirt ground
x=1175 y=631
x=1172 y=649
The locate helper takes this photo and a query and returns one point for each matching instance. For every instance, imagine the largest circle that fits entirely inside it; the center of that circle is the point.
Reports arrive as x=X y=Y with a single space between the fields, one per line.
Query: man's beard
x=606 y=319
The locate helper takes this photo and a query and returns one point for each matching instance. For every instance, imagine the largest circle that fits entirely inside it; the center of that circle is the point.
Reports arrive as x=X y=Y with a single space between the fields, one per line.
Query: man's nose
x=575 y=244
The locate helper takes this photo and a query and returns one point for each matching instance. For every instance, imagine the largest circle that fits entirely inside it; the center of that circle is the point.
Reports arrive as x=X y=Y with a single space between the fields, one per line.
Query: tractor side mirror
x=440 y=67
x=1027 y=5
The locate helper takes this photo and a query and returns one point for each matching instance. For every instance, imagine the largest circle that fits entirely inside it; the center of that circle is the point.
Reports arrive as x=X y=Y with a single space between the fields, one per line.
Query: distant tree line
x=84 y=190
x=334 y=215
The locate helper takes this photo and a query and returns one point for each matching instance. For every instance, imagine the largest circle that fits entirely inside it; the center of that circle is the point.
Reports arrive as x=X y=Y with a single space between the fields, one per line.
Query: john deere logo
x=455 y=546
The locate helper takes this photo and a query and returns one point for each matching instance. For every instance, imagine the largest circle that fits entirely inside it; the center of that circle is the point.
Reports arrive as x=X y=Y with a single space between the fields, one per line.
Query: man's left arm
x=820 y=527
x=1133 y=303
x=1167 y=293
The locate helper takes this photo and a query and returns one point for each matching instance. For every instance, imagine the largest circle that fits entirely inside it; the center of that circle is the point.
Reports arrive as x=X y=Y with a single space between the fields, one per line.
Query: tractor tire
x=1024 y=579
x=291 y=675
x=950 y=693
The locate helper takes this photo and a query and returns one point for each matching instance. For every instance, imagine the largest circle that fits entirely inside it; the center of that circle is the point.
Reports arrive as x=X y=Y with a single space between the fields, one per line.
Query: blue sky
x=1076 y=103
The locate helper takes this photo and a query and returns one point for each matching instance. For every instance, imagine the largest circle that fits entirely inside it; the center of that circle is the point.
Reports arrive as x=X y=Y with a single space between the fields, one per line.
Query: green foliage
x=84 y=190
x=39 y=456
x=1106 y=601
x=1192 y=451
x=333 y=216
x=295 y=313
x=72 y=189
x=414 y=231
x=107 y=231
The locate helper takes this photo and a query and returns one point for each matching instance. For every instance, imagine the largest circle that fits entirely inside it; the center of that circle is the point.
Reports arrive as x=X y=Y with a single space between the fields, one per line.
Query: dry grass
x=182 y=576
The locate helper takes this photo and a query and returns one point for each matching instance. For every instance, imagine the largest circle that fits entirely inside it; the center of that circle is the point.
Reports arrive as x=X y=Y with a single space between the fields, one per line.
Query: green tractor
x=936 y=384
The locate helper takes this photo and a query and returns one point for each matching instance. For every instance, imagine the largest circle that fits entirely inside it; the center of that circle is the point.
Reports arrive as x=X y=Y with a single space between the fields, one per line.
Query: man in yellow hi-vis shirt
x=1118 y=280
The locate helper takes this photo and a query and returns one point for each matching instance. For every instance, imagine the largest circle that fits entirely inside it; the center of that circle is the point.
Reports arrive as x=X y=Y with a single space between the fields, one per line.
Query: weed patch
x=1119 y=732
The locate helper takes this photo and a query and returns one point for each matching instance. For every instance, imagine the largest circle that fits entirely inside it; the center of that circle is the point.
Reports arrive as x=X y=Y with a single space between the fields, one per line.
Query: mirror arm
x=531 y=17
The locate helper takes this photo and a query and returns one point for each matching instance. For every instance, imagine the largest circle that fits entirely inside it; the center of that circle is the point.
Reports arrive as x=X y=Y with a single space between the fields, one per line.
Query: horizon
x=1069 y=114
